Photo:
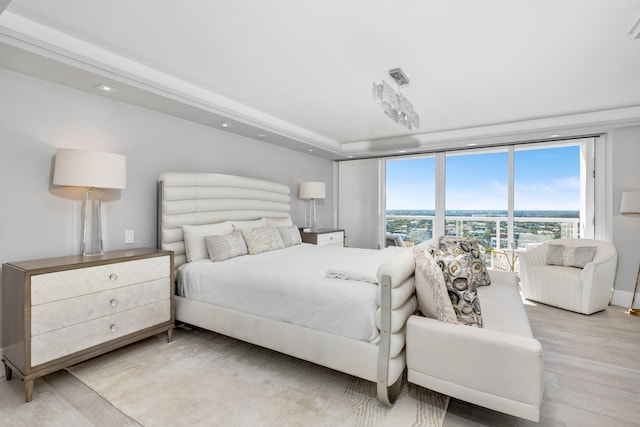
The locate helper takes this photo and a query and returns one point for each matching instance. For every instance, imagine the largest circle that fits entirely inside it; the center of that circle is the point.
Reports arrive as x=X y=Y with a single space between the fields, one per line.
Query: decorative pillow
x=570 y=256
x=462 y=292
x=239 y=225
x=469 y=247
x=194 y=238
x=262 y=239
x=279 y=221
x=433 y=298
x=225 y=247
x=290 y=235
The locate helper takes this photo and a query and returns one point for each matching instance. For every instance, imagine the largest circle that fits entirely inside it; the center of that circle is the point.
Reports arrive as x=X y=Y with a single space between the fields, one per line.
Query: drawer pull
x=113 y=277
x=114 y=328
x=113 y=302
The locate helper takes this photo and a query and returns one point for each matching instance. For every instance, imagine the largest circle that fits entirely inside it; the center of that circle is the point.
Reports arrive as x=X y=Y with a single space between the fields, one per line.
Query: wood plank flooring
x=592 y=372
x=592 y=378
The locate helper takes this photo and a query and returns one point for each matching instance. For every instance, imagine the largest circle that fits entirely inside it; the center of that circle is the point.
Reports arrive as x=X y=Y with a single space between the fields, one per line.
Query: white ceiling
x=300 y=73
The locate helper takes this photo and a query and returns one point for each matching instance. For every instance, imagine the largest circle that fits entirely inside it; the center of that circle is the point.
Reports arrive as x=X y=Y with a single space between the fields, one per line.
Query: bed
x=370 y=344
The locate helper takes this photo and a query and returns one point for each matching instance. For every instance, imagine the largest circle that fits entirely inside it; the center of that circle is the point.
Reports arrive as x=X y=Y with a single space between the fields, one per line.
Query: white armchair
x=583 y=290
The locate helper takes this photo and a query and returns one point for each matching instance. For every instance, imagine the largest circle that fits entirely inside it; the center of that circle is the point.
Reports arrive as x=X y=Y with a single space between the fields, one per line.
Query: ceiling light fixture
x=395 y=105
x=225 y=125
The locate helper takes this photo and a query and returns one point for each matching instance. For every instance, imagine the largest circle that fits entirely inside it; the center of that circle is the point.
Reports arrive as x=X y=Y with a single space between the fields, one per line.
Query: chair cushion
x=570 y=256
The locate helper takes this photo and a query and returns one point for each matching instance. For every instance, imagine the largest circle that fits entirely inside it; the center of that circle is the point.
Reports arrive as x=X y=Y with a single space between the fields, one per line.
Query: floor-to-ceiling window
x=506 y=197
x=411 y=198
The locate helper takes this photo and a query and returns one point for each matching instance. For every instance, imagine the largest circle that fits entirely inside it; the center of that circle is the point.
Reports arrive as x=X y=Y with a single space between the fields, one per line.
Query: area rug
x=207 y=379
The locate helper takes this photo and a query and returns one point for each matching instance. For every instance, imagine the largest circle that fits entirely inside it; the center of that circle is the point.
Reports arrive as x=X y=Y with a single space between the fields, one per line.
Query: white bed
x=369 y=344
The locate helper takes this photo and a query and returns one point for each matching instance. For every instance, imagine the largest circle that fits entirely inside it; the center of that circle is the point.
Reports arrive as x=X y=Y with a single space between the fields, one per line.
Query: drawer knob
x=113 y=276
x=114 y=328
x=113 y=302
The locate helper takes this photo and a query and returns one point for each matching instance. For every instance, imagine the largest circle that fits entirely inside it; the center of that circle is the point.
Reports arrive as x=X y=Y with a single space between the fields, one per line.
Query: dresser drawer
x=61 y=285
x=335 y=238
x=63 y=313
x=65 y=341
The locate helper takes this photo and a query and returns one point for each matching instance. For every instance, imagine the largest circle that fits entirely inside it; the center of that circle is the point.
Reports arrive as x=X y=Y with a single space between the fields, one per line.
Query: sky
x=545 y=179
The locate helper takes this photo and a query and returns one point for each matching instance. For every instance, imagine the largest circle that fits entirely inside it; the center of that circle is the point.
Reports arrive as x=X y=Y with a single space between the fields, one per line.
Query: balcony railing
x=490 y=231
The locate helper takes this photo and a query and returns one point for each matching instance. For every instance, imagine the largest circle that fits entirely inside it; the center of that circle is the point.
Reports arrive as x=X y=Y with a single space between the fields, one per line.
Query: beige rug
x=206 y=379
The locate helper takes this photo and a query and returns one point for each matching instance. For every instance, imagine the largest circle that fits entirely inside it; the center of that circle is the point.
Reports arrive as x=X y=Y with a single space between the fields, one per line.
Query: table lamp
x=94 y=170
x=312 y=191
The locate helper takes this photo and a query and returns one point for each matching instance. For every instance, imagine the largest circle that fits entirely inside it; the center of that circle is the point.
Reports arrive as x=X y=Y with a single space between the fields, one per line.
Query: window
x=410 y=198
x=505 y=197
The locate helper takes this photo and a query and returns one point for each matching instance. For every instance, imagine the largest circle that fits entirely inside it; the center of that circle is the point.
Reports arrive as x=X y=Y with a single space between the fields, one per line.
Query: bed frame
x=202 y=198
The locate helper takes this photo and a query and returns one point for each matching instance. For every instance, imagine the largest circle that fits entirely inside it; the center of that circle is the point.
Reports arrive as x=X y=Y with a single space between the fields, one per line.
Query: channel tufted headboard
x=205 y=198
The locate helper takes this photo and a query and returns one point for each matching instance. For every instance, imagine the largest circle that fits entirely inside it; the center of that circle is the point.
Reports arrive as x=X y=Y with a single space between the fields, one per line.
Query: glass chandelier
x=395 y=105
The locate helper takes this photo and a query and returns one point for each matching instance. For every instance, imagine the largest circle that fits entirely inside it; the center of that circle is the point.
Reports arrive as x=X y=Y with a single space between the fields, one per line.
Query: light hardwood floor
x=592 y=378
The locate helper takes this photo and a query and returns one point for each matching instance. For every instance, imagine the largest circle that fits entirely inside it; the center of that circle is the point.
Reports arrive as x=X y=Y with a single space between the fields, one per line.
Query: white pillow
x=262 y=239
x=194 y=245
x=290 y=235
x=224 y=247
x=431 y=289
x=239 y=225
x=279 y=221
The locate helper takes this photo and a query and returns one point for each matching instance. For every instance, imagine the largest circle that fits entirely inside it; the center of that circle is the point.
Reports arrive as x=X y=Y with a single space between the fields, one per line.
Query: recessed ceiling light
x=106 y=88
x=349 y=157
x=310 y=149
x=402 y=151
x=472 y=144
x=261 y=135
x=555 y=135
x=225 y=125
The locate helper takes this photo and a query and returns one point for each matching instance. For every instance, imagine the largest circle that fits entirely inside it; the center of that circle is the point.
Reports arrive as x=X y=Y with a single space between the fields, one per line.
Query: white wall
x=625 y=176
x=39 y=220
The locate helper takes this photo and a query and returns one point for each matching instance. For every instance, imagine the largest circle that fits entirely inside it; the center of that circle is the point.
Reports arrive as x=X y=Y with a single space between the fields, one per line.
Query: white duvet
x=291 y=285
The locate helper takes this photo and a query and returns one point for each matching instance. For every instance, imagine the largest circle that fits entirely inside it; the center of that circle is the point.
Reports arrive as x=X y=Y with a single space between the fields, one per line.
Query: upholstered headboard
x=206 y=198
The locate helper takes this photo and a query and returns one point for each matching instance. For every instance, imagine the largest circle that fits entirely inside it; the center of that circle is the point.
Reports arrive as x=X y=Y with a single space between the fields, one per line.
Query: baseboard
x=623 y=299
x=2 y=377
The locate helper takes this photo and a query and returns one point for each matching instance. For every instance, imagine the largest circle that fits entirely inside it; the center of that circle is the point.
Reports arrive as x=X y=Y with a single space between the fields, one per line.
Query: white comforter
x=291 y=285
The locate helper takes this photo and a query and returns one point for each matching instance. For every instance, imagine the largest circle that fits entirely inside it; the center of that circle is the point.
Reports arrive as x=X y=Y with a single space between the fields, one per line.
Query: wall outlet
x=128 y=236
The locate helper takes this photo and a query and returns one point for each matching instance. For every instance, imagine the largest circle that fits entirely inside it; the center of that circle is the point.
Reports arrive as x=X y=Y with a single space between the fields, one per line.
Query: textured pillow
x=225 y=247
x=470 y=248
x=462 y=292
x=279 y=221
x=257 y=223
x=194 y=246
x=290 y=235
x=569 y=256
x=262 y=239
x=431 y=290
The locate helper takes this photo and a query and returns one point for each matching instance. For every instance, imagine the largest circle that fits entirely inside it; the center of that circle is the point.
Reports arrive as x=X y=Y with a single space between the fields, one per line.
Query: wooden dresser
x=61 y=311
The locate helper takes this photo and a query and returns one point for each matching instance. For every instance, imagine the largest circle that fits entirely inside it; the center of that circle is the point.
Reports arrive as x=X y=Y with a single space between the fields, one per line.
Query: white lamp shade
x=85 y=168
x=630 y=202
x=312 y=190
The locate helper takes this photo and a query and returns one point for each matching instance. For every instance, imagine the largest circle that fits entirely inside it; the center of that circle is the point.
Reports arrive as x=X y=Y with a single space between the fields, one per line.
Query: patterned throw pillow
x=462 y=292
x=569 y=256
x=290 y=235
x=224 y=247
x=262 y=239
x=431 y=290
x=470 y=248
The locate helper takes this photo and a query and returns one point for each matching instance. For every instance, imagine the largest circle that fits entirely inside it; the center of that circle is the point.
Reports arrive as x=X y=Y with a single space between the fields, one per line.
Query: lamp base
x=92 y=230
x=634 y=311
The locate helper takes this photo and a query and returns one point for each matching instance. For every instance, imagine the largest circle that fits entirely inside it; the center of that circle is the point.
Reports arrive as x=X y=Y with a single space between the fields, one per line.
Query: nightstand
x=57 y=312
x=323 y=237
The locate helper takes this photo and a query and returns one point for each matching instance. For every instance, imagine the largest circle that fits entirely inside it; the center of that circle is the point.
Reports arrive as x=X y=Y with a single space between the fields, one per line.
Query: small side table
x=323 y=237
x=505 y=259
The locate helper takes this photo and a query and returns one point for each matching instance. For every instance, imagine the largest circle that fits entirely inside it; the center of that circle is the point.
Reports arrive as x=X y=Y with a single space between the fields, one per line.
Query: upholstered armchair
x=583 y=290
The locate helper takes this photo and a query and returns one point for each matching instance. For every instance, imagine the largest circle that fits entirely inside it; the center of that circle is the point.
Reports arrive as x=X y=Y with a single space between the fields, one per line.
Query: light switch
x=128 y=236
